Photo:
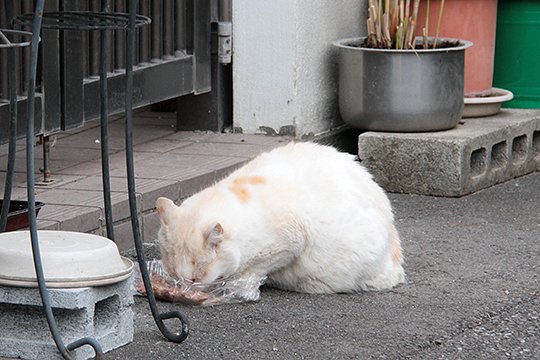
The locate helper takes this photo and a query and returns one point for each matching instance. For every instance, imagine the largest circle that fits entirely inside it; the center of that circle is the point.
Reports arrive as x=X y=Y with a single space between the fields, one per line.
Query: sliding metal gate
x=172 y=59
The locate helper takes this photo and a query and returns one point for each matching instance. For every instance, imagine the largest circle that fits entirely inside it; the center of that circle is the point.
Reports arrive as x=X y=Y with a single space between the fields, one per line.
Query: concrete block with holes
x=102 y=312
x=478 y=153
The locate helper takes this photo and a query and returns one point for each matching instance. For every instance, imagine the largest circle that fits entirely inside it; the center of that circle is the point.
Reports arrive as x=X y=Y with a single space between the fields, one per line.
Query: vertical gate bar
x=189 y=27
x=168 y=33
x=71 y=73
x=156 y=44
x=50 y=79
x=202 y=46
x=4 y=82
x=104 y=112
x=86 y=48
x=179 y=25
x=130 y=48
x=144 y=33
x=111 y=53
x=120 y=39
x=93 y=54
x=12 y=147
x=85 y=41
x=26 y=53
x=16 y=9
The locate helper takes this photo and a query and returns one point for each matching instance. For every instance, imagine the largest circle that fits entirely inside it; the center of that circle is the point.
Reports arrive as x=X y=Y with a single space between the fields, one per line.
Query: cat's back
x=306 y=172
x=299 y=157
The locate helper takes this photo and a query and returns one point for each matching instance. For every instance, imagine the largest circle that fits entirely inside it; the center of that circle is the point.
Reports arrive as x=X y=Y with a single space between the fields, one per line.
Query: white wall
x=284 y=65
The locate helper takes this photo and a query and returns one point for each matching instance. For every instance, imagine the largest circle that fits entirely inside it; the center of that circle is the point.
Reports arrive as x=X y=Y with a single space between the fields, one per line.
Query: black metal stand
x=81 y=21
x=8 y=41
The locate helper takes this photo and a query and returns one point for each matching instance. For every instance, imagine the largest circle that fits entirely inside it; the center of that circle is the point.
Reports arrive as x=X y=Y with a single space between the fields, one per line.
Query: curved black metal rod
x=44 y=293
x=158 y=317
x=12 y=146
x=104 y=122
x=85 y=341
x=84 y=20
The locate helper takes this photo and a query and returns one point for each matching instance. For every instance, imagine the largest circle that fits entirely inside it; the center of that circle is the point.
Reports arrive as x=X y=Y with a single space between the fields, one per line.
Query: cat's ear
x=215 y=236
x=166 y=209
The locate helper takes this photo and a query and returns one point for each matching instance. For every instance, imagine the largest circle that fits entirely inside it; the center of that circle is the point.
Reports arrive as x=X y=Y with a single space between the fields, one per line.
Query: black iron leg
x=44 y=293
x=104 y=118
x=12 y=138
x=61 y=21
x=158 y=317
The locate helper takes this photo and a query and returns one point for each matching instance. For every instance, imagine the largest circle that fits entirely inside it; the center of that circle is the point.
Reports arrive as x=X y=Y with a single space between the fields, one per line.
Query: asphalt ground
x=473 y=267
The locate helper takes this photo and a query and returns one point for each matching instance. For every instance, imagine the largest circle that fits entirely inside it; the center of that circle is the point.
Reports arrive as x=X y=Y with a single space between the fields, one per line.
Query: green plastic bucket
x=517 y=52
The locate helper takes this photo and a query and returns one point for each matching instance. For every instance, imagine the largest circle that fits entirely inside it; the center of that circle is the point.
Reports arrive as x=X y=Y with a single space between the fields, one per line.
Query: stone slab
x=478 y=153
x=102 y=312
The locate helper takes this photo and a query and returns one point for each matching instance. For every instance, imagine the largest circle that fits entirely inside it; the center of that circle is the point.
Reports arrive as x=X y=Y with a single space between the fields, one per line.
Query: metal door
x=173 y=59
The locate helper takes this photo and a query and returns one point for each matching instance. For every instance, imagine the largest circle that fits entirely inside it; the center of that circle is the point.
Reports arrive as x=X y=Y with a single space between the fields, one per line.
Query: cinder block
x=102 y=312
x=478 y=153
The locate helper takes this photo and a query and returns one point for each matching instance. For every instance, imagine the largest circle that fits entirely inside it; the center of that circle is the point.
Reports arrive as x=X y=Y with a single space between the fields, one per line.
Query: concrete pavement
x=473 y=266
x=472 y=262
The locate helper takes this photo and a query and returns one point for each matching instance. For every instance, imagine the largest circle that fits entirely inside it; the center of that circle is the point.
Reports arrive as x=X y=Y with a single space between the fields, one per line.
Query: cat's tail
x=396 y=253
x=392 y=273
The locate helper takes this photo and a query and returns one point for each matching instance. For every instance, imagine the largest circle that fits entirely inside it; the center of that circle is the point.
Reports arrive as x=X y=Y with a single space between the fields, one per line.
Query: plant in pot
x=474 y=20
x=391 y=80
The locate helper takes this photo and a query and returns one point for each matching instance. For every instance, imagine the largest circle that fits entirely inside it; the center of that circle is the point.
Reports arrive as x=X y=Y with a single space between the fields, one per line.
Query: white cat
x=307 y=216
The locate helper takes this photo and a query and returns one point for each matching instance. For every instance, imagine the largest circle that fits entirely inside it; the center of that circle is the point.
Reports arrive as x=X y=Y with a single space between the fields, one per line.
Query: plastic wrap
x=186 y=291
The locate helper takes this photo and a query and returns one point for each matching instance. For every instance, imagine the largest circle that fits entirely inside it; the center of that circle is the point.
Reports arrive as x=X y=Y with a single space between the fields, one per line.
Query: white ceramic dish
x=70 y=259
x=488 y=105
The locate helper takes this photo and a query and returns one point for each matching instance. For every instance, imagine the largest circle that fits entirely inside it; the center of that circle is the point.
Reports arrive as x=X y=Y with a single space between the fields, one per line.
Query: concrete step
x=478 y=153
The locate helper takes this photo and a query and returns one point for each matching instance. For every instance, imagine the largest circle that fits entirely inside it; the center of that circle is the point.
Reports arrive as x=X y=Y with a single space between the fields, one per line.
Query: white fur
x=313 y=220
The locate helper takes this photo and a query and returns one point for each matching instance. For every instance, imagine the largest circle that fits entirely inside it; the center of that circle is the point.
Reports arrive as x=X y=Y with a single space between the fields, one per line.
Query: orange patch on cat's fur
x=239 y=186
x=396 y=252
x=397 y=256
x=252 y=180
x=241 y=193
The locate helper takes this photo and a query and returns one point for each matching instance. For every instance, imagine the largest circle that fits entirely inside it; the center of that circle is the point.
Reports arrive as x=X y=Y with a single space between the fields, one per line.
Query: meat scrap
x=167 y=289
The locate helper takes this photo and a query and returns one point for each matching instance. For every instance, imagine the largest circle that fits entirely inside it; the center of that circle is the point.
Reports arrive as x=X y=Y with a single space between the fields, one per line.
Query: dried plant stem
x=425 y=30
x=379 y=22
x=407 y=8
x=386 y=30
x=414 y=16
x=372 y=24
x=392 y=23
x=393 y=18
x=438 y=24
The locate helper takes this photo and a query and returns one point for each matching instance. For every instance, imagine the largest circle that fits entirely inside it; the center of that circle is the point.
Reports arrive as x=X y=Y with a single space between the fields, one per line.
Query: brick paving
x=167 y=163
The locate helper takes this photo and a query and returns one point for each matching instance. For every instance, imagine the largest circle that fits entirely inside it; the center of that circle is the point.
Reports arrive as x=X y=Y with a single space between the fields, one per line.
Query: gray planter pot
x=400 y=90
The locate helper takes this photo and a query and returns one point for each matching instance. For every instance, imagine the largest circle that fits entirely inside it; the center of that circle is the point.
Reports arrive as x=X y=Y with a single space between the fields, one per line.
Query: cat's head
x=194 y=248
